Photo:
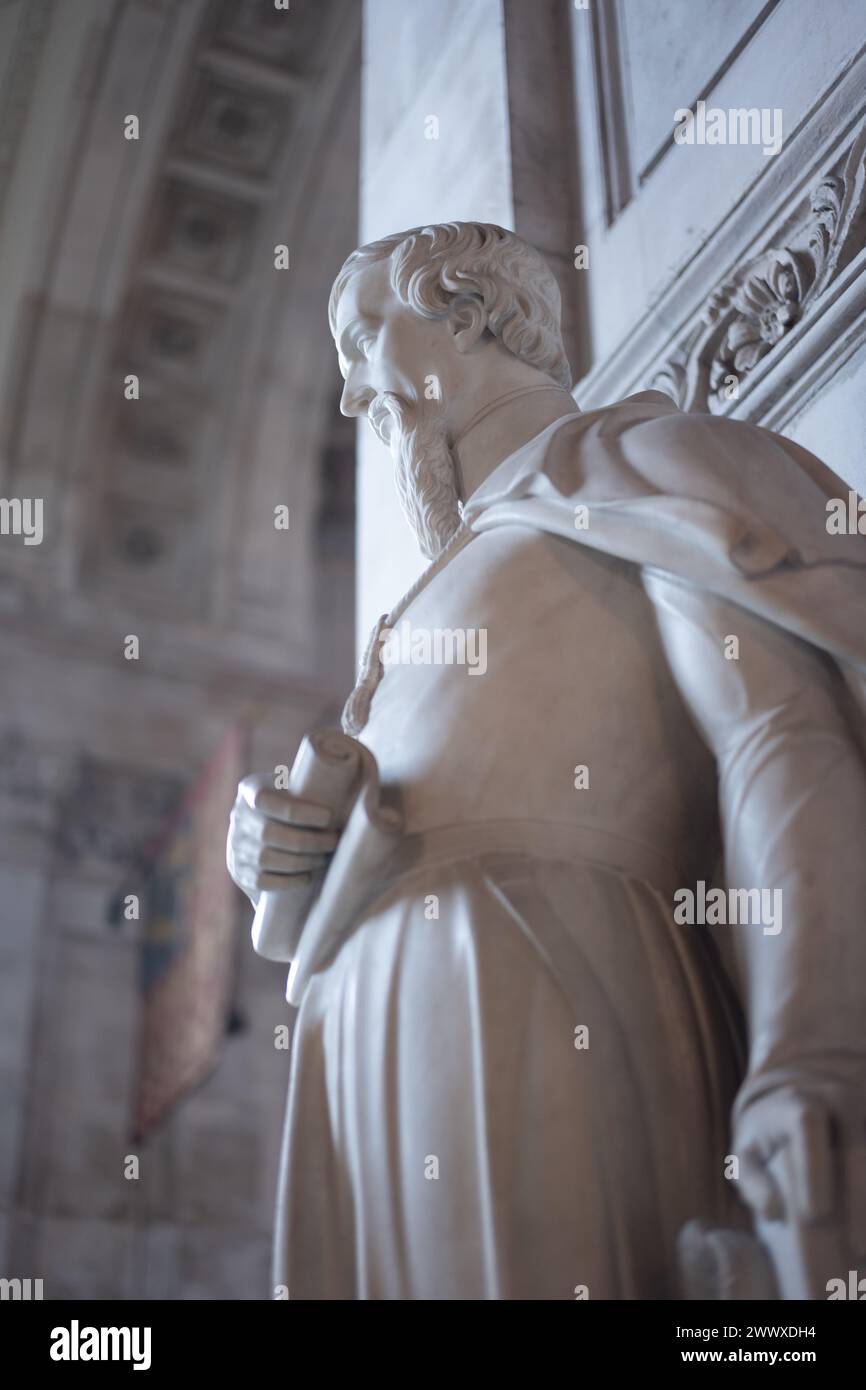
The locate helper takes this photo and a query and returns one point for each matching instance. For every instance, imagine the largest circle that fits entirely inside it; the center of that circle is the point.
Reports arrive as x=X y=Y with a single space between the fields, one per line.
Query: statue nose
x=355 y=401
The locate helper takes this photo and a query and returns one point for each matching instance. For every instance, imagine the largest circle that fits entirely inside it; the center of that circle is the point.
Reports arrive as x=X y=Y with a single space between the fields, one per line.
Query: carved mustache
x=385 y=412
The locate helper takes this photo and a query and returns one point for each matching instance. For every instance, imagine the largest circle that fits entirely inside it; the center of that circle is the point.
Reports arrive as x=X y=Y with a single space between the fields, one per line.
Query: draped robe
x=514 y=1077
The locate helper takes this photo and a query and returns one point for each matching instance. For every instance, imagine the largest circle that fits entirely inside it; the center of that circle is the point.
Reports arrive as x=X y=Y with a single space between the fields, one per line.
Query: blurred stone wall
x=155 y=257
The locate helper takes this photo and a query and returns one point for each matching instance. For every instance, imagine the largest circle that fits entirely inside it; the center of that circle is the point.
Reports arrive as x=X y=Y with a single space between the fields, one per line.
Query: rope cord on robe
x=356 y=710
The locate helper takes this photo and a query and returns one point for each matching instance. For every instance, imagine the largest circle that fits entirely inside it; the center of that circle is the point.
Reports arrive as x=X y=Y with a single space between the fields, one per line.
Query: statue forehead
x=366 y=294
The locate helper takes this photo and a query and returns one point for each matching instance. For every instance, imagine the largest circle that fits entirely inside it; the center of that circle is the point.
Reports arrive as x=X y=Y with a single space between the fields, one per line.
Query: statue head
x=429 y=324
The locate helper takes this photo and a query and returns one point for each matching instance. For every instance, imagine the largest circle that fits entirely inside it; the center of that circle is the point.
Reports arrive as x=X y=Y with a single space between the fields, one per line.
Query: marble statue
x=574 y=904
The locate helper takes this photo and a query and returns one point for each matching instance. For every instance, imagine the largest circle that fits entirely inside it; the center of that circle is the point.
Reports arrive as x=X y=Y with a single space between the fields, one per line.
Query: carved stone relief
x=744 y=319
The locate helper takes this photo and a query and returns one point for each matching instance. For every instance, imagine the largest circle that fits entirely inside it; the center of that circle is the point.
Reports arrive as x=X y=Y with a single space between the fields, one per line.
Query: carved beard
x=423 y=468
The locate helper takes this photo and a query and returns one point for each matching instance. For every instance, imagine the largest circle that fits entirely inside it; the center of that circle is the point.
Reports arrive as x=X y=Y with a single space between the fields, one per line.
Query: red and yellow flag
x=189 y=939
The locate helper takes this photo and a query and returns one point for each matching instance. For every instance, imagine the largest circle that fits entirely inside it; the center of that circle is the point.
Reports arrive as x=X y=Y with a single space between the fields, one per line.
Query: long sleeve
x=792 y=802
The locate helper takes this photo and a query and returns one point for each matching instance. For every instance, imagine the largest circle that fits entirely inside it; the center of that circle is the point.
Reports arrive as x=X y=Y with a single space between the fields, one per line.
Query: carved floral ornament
x=744 y=319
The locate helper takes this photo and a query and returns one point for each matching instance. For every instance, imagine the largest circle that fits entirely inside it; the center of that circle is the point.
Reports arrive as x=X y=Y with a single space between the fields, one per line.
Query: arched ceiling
x=156 y=257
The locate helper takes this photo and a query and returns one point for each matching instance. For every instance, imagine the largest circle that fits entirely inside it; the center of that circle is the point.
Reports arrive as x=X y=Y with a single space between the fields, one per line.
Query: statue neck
x=501 y=426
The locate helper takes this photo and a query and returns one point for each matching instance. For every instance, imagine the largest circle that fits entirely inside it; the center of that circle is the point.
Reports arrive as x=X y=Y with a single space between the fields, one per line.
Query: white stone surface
x=796 y=57
x=833 y=425
x=672 y=50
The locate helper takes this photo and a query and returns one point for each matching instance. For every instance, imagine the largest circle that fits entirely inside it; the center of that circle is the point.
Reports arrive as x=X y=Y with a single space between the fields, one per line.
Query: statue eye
x=364 y=343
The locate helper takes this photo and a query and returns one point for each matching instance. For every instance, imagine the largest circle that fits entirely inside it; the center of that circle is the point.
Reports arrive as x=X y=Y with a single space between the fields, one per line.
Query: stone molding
x=776 y=297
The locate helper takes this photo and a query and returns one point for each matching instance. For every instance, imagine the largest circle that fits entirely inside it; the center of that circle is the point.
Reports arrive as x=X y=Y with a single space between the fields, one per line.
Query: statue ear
x=468 y=322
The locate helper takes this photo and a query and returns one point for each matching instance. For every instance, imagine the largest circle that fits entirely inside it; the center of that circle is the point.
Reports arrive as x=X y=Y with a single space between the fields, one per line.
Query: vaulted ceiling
x=156 y=258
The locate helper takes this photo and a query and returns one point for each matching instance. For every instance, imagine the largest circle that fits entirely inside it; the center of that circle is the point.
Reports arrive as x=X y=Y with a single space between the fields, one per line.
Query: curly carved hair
x=432 y=266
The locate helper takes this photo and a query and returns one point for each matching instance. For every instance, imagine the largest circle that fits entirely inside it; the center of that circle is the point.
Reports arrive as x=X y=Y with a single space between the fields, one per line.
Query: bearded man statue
x=597 y=1025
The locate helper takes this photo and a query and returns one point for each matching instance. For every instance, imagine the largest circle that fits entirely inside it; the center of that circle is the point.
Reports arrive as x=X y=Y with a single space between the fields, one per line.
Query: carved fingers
x=276 y=840
x=803 y=1160
x=785 y=1149
x=259 y=794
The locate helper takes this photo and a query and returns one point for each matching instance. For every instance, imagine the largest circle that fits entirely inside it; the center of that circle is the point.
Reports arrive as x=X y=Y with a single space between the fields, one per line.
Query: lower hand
x=802 y=1170
x=276 y=840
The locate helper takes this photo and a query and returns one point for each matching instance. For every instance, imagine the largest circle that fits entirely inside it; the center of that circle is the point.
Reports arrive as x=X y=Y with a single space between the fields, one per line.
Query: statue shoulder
x=645 y=446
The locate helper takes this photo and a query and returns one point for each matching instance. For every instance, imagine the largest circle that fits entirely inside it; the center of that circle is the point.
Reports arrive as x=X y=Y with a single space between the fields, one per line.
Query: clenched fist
x=276 y=840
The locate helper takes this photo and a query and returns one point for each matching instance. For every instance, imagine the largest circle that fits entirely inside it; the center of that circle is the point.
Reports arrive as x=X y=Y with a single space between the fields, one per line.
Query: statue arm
x=792 y=800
